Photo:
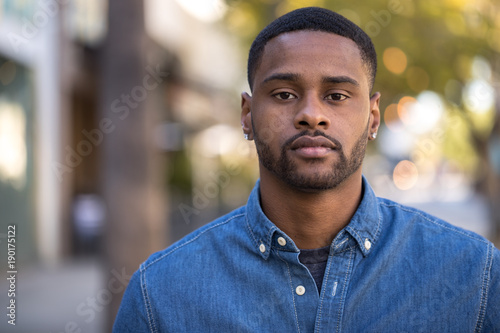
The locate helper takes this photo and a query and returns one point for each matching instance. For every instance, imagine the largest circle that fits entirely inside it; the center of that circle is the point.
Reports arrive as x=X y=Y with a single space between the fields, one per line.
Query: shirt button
x=281 y=241
x=368 y=244
x=262 y=248
x=300 y=290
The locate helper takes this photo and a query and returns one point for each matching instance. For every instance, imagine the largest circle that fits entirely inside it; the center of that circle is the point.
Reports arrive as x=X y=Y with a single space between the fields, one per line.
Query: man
x=314 y=250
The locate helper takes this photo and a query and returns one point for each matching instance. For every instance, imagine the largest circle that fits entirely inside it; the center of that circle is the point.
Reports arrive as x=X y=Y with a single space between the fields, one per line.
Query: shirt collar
x=364 y=226
x=263 y=232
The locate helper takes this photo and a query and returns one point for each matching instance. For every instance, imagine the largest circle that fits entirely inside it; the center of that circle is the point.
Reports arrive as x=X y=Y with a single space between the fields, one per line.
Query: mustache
x=289 y=142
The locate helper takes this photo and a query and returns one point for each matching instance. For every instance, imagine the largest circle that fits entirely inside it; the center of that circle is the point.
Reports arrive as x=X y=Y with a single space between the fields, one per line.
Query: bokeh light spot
x=404 y=108
x=204 y=10
x=479 y=96
x=481 y=68
x=405 y=175
x=395 y=60
x=420 y=115
x=391 y=118
x=13 y=158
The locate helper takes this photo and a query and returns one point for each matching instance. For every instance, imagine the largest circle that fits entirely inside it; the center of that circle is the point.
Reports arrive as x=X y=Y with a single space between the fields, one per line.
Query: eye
x=284 y=95
x=336 y=97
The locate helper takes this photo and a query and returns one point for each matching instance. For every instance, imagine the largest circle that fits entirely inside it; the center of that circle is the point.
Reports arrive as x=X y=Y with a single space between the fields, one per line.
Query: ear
x=246 y=115
x=374 y=115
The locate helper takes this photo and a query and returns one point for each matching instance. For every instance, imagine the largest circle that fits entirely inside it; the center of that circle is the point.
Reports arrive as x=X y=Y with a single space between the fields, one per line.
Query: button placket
x=304 y=303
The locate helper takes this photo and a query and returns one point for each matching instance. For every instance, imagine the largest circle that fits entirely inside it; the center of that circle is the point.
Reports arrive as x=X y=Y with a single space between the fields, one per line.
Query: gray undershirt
x=315 y=260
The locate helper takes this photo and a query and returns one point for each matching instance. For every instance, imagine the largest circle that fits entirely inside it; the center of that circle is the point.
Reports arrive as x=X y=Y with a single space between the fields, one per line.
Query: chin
x=313 y=183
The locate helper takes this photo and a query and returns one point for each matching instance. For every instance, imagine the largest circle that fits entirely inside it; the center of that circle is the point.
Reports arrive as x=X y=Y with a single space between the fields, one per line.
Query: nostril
x=322 y=123
x=303 y=123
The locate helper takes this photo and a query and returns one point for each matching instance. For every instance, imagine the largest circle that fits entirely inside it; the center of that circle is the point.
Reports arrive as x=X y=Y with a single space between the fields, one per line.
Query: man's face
x=311 y=113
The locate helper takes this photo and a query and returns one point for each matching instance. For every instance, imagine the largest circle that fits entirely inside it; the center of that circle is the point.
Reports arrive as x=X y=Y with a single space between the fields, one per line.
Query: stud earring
x=374 y=135
x=246 y=136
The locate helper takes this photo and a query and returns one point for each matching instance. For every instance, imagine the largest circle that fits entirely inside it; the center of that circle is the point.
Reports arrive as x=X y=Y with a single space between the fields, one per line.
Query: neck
x=311 y=219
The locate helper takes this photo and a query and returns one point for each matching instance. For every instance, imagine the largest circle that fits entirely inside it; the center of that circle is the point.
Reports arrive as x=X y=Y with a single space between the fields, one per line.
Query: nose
x=311 y=114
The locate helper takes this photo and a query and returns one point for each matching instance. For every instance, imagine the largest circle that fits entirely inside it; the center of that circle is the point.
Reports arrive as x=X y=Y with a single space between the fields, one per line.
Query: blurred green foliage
x=438 y=40
x=423 y=45
x=439 y=37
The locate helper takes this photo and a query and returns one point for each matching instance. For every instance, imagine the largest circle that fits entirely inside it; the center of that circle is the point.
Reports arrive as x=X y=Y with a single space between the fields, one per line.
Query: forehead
x=312 y=52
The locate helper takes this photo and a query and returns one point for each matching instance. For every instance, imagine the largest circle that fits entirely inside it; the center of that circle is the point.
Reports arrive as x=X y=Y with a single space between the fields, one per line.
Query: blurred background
x=120 y=131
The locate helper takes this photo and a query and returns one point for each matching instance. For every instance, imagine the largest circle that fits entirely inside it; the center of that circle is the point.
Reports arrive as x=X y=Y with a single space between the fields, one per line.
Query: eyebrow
x=340 y=79
x=292 y=77
x=282 y=77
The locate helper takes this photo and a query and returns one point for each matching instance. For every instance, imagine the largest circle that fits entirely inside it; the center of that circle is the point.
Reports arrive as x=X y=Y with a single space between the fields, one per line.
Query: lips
x=312 y=147
x=312 y=142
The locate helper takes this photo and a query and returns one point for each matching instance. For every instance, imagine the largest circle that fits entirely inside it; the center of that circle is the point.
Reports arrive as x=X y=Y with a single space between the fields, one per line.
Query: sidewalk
x=55 y=299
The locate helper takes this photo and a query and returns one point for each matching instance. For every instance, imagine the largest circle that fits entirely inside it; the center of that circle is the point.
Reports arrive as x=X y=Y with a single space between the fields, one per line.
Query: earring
x=246 y=136
x=374 y=135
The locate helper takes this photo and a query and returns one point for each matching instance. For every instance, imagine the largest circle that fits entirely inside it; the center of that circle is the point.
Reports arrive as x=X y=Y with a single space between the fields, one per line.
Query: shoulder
x=166 y=274
x=428 y=238
x=202 y=239
x=402 y=217
x=452 y=260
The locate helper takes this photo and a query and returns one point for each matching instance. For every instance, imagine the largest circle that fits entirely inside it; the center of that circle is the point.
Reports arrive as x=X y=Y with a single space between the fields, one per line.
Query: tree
x=136 y=226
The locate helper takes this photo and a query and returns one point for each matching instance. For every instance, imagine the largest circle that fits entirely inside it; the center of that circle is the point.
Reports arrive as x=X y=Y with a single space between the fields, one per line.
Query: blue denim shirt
x=391 y=269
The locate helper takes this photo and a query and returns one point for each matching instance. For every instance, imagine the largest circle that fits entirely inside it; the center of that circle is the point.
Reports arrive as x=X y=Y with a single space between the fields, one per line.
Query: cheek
x=349 y=127
x=358 y=115
x=271 y=128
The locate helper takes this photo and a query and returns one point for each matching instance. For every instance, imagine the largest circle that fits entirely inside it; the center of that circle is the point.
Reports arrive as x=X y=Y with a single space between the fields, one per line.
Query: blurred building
x=208 y=172
x=116 y=126
x=50 y=61
x=32 y=127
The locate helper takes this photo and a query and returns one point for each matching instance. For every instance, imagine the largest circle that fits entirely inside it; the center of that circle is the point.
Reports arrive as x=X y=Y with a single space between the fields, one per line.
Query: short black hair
x=314 y=19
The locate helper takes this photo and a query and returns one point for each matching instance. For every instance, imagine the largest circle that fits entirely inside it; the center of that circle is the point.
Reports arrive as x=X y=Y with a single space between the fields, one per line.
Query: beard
x=287 y=171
